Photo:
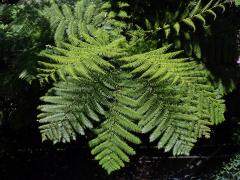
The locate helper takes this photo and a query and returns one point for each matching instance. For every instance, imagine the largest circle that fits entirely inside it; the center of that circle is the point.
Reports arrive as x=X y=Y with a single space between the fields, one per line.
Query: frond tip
x=110 y=147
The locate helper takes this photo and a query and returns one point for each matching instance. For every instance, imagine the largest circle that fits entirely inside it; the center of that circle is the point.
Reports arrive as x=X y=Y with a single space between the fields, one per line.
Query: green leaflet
x=72 y=62
x=190 y=23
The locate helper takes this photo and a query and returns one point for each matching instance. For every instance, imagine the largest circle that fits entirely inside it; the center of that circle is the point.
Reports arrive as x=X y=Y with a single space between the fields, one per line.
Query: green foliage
x=179 y=103
x=22 y=36
x=237 y=3
x=85 y=52
x=83 y=39
x=165 y=95
x=179 y=25
x=198 y=13
x=113 y=80
x=110 y=146
x=85 y=19
x=71 y=107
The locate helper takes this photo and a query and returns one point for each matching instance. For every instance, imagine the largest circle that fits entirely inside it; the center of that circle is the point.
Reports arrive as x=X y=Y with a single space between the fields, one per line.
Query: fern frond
x=190 y=18
x=178 y=25
x=110 y=146
x=88 y=15
x=83 y=42
x=180 y=103
x=177 y=116
x=73 y=63
x=70 y=107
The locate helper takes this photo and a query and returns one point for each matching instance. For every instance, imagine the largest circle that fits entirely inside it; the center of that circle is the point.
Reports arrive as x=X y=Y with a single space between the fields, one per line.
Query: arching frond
x=179 y=103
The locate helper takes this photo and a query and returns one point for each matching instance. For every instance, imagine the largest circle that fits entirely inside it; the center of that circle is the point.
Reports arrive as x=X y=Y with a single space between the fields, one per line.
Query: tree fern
x=68 y=111
x=74 y=105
